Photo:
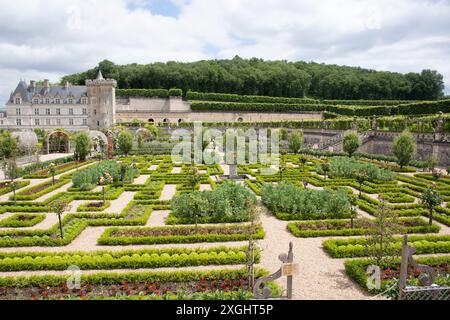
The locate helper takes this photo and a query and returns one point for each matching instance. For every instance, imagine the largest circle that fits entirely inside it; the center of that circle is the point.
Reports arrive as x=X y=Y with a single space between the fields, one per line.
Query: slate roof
x=27 y=93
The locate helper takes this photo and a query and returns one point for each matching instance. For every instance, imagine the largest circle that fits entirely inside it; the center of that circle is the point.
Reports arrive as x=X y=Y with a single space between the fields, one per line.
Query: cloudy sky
x=50 y=38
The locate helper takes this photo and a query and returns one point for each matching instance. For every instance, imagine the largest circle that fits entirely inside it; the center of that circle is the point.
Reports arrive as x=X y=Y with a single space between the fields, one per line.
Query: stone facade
x=71 y=107
x=427 y=145
x=175 y=110
x=95 y=106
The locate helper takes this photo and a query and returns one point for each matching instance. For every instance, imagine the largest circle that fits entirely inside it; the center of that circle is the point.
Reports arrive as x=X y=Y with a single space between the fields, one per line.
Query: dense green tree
x=272 y=78
x=8 y=145
x=12 y=172
x=295 y=141
x=82 y=146
x=404 y=148
x=125 y=142
x=431 y=198
x=351 y=143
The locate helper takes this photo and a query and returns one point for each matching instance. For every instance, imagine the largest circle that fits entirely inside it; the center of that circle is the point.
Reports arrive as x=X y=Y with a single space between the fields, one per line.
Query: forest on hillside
x=273 y=78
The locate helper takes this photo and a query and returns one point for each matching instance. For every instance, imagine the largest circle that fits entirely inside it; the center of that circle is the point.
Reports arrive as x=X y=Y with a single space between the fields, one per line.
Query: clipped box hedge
x=126 y=259
x=205 y=234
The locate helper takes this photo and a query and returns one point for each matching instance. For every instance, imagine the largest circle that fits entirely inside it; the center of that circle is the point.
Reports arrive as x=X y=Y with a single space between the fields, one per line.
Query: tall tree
x=125 y=142
x=275 y=78
x=295 y=141
x=404 y=148
x=8 y=145
x=82 y=145
x=351 y=143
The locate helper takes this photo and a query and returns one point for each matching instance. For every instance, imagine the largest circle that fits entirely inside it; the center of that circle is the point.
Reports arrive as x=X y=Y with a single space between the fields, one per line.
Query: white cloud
x=51 y=38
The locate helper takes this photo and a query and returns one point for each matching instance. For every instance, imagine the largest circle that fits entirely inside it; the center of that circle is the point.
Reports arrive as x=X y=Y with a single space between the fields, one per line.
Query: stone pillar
x=439 y=135
x=233 y=170
x=374 y=125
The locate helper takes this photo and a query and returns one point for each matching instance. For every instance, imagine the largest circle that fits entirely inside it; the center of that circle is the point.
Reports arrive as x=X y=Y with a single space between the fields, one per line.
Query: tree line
x=272 y=78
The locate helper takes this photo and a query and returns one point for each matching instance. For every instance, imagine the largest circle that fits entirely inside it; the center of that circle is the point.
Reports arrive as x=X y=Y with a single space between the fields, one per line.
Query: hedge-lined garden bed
x=352 y=248
x=356 y=269
x=182 y=285
x=126 y=259
x=159 y=235
x=324 y=228
x=39 y=190
x=93 y=206
x=22 y=220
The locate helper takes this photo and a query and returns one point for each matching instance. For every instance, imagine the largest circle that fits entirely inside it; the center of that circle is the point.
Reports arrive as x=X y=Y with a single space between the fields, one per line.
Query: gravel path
x=204 y=187
x=120 y=203
x=168 y=192
x=158 y=218
x=320 y=278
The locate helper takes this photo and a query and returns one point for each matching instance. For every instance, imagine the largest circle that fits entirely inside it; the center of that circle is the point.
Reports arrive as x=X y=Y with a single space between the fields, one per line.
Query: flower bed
x=352 y=248
x=61 y=168
x=73 y=224
x=220 y=284
x=39 y=190
x=22 y=220
x=5 y=187
x=127 y=259
x=396 y=197
x=323 y=228
x=390 y=272
x=93 y=206
x=159 y=235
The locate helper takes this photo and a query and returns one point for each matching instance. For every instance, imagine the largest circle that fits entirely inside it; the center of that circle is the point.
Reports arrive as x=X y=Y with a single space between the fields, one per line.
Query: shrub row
x=128 y=259
x=226 y=97
x=204 y=234
x=22 y=220
x=356 y=269
x=325 y=228
x=350 y=248
x=19 y=185
x=149 y=93
x=32 y=193
x=61 y=168
x=346 y=110
x=85 y=207
x=73 y=224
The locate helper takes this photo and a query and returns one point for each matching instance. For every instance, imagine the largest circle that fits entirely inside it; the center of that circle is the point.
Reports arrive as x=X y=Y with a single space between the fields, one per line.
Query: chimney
x=32 y=85
x=66 y=85
x=46 y=83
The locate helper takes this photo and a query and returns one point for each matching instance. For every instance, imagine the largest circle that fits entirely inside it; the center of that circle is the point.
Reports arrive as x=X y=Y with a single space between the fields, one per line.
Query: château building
x=71 y=107
x=94 y=106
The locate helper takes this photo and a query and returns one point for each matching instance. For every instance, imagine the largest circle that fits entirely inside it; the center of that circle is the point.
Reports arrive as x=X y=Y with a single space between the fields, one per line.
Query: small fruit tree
x=404 y=148
x=431 y=198
x=59 y=207
x=351 y=142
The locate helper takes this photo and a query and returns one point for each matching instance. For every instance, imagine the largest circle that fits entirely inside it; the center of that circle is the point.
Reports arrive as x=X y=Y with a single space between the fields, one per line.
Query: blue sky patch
x=159 y=7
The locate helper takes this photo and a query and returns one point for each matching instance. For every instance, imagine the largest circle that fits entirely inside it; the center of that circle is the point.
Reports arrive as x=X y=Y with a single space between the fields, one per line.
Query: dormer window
x=58 y=101
x=70 y=101
x=47 y=101
x=36 y=101
x=83 y=101
x=18 y=101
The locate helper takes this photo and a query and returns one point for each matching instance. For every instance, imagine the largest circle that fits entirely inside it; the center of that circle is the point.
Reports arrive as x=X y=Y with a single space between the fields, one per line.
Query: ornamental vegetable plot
x=143 y=227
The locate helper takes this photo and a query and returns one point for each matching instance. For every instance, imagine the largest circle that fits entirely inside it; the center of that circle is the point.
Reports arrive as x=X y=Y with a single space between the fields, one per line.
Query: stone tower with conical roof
x=102 y=97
